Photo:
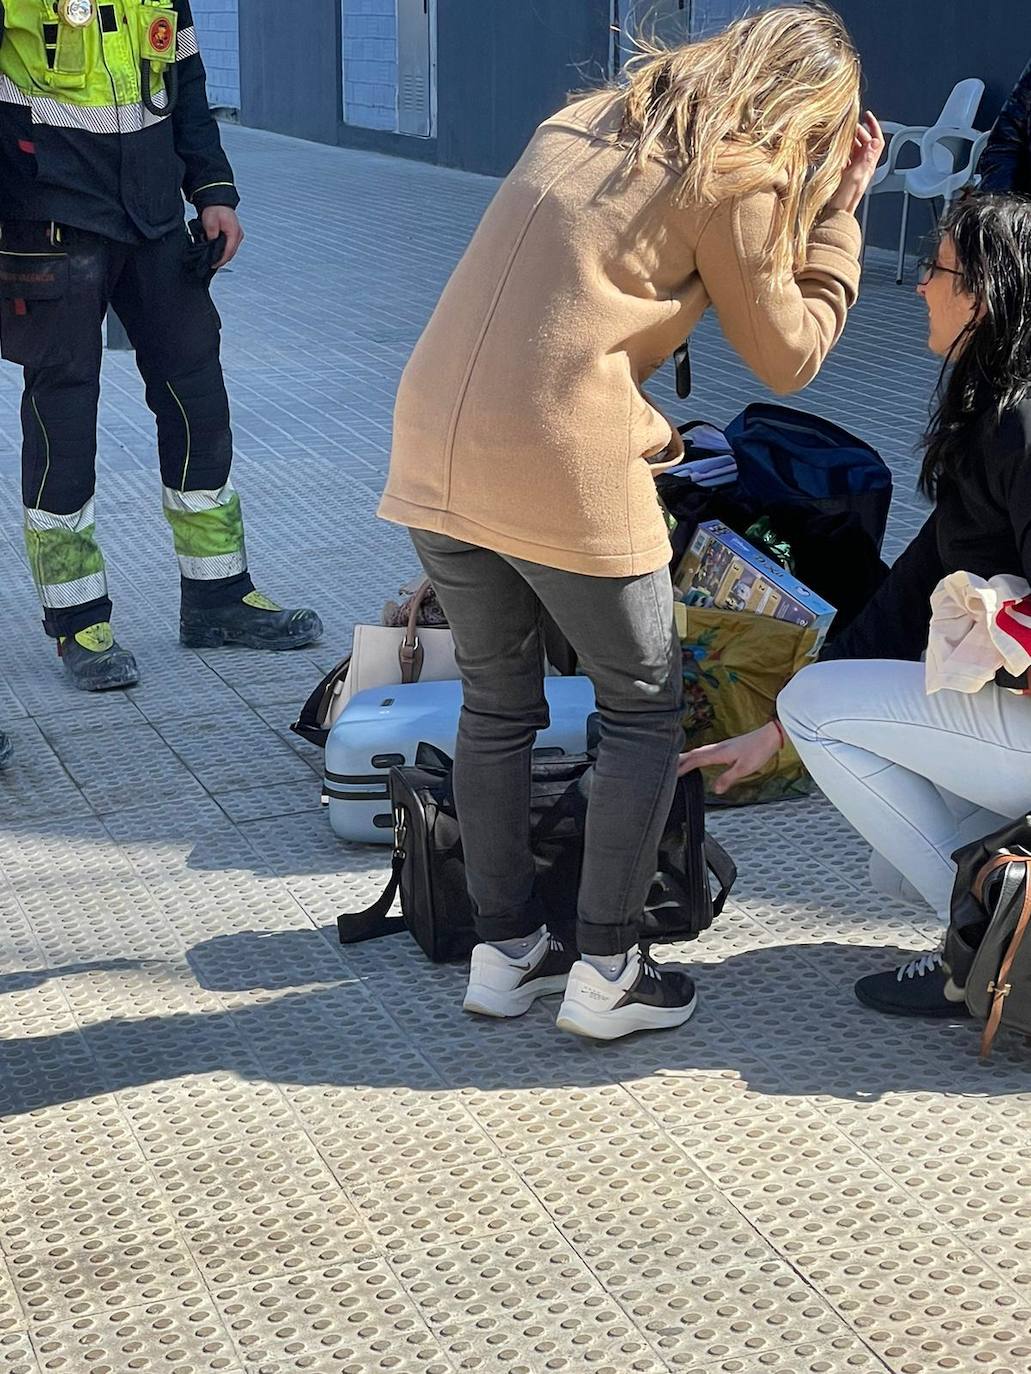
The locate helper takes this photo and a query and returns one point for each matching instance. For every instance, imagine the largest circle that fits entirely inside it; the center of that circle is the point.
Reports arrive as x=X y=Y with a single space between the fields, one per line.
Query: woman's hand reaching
x=866 y=153
x=740 y=757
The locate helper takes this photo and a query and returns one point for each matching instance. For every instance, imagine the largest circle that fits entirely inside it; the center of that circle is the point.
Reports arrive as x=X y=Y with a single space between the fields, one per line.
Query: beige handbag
x=381 y=656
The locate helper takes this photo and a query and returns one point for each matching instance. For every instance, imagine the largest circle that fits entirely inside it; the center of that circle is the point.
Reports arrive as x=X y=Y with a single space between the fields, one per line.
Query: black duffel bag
x=428 y=868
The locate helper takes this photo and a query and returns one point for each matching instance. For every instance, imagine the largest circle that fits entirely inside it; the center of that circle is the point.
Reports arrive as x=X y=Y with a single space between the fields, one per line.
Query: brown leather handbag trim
x=411 y=654
x=1000 y=988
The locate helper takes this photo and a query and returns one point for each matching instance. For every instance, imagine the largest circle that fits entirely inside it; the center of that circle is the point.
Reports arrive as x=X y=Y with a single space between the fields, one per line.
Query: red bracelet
x=780 y=731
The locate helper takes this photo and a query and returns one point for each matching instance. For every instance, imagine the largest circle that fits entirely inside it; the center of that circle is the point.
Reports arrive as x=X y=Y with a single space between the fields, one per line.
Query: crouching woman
x=920 y=775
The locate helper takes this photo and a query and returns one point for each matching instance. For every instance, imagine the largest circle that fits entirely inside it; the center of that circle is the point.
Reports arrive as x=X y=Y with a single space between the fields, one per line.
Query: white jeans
x=918 y=776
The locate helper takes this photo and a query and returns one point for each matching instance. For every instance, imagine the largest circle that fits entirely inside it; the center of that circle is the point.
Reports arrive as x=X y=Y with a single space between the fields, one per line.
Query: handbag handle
x=411 y=654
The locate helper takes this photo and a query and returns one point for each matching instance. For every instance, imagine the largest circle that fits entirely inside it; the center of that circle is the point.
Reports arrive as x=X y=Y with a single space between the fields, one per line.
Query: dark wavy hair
x=988 y=368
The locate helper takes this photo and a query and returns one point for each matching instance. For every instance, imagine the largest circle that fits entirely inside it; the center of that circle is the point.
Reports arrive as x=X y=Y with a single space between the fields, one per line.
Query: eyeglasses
x=927 y=267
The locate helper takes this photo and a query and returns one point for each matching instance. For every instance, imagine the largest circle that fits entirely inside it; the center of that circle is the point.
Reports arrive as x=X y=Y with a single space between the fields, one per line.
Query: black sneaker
x=645 y=996
x=922 y=987
x=96 y=662
x=254 y=623
x=500 y=985
x=6 y=749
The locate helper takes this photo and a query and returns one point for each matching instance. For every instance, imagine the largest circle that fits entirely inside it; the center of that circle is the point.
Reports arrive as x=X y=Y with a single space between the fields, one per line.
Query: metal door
x=414 y=68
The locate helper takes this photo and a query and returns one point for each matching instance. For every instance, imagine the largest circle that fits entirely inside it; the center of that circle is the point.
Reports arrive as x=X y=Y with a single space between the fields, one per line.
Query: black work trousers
x=55 y=288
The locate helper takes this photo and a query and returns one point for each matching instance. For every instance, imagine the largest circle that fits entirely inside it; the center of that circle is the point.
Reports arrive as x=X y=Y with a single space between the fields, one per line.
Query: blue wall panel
x=218 y=27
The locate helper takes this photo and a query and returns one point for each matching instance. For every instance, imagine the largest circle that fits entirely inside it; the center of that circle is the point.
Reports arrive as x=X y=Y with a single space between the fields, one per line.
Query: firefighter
x=104 y=129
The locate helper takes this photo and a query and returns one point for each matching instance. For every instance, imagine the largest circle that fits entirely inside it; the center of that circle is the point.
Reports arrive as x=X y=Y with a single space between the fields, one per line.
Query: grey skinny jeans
x=622 y=630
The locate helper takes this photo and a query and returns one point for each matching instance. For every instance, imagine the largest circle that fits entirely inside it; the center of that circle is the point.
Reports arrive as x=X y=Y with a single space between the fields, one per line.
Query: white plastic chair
x=958 y=112
x=939 y=174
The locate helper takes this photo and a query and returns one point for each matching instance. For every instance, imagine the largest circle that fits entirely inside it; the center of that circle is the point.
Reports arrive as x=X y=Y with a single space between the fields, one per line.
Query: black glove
x=203 y=253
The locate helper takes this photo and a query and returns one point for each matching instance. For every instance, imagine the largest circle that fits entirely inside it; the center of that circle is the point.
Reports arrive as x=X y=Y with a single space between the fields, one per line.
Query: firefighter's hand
x=740 y=757
x=219 y=219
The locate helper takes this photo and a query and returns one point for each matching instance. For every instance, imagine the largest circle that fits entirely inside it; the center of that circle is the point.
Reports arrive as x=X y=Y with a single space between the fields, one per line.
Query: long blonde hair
x=774 y=94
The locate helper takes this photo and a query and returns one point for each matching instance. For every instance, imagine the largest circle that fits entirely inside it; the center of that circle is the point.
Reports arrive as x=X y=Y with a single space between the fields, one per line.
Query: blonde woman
x=725 y=173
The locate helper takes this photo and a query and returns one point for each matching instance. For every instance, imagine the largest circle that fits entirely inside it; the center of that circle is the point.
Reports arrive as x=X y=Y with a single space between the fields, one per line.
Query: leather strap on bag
x=411 y=654
x=1000 y=988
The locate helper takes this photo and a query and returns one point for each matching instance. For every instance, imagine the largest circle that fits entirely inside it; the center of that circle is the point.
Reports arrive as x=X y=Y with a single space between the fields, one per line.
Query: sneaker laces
x=920 y=967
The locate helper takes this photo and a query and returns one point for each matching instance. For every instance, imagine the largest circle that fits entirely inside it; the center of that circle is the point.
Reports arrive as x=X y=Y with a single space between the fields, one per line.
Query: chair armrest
x=943 y=131
x=901 y=136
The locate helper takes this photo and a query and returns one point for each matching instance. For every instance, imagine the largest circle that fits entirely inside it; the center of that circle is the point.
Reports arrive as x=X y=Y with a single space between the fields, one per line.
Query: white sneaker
x=502 y=986
x=645 y=996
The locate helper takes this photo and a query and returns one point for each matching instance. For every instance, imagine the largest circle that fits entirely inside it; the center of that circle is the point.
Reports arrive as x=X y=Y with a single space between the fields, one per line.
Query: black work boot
x=95 y=662
x=255 y=623
x=6 y=749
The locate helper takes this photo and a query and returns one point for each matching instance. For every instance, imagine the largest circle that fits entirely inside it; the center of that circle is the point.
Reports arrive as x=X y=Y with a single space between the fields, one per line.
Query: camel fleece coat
x=520 y=424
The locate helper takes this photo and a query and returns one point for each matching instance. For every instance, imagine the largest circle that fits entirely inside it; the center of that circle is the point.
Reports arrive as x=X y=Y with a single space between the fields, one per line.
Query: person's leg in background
x=623 y=633
x=55 y=286
x=495 y=621
x=172 y=322
x=917 y=776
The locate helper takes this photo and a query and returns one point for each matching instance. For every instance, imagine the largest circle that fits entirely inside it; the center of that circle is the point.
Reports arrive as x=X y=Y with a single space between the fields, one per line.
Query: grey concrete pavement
x=228 y=1145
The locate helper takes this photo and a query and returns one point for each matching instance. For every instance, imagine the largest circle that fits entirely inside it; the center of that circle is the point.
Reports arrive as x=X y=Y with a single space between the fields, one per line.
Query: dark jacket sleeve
x=896 y=622
x=1006 y=161
x=208 y=179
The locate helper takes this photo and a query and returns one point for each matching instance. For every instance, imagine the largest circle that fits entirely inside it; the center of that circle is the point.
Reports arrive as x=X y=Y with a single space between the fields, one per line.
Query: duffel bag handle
x=411 y=654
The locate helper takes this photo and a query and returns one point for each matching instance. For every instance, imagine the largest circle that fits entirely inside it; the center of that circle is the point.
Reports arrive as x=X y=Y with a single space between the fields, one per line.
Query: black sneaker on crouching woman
x=645 y=996
x=923 y=987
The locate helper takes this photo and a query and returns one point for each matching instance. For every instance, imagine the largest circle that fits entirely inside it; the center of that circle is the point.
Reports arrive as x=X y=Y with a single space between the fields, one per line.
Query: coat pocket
x=33 y=287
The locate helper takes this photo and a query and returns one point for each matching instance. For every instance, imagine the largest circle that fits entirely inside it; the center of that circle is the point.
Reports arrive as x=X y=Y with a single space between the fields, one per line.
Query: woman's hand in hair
x=866 y=153
x=740 y=757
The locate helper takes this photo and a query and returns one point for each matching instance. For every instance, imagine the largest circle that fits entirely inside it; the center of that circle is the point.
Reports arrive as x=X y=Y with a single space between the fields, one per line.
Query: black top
x=125 y=186
x=1006 y=161
x=981 y=524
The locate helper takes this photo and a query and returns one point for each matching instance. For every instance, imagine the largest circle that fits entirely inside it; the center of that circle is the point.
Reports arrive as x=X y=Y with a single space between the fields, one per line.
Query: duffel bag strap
x=723 y=869
x=355 y=927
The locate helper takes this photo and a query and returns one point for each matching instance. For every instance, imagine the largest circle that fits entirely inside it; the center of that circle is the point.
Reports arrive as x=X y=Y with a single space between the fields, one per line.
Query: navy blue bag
x=788 y=458
x=824 y=491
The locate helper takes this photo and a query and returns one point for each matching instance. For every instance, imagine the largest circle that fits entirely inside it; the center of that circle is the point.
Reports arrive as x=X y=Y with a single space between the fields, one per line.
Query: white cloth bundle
x=977 y=627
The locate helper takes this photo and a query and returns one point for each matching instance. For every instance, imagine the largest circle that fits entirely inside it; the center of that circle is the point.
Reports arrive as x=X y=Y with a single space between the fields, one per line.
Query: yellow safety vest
x=105 y=73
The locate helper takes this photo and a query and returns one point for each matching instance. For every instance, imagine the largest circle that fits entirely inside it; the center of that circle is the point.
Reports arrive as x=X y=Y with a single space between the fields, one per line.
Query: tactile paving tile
x=846 y=1355
x=40 y=786
x=12 y=1318
x=740 y=1311
x=155 y=1338
x=16 y=1354
x=547 y=1118
x=278 y=799
x=414 y=1138
x=233 y=1243
x=231 y=749
x=146 y=766
x=596 y=1185
x=354 y=1318
x=79 y=1134
x=451 y=1204
x=522 y=1301
x=58 y=1283
x=65 y=1209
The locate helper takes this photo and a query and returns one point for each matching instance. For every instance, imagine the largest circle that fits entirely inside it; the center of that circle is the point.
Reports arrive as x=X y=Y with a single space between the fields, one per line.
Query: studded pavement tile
x=228 y=1144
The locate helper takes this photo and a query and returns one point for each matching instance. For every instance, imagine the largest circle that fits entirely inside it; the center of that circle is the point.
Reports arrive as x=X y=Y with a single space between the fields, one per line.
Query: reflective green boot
x=255 y=623
x=95 y=662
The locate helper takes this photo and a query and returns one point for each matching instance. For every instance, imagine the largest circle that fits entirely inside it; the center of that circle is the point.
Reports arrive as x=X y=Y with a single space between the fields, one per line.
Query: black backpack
x=428 y=867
